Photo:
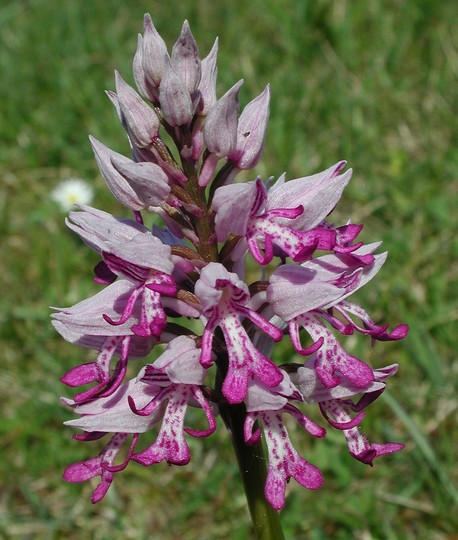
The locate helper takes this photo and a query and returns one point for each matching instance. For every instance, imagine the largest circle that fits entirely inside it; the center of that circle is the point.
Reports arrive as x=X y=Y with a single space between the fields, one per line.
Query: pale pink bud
x=116 y=183
x=141 y=121
x=185 y=58
x=144 y=87
x=220 y=130
x=148 y=180
x=251 y=132
x=155 y=53
x=207 y=86
x=113 y=97
x=175 y=100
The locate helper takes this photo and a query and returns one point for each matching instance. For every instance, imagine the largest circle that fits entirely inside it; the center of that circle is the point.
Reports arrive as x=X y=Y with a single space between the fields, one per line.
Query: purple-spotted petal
x=331 y=359
x=170 y=444
x=284 y=462
x=313 y=390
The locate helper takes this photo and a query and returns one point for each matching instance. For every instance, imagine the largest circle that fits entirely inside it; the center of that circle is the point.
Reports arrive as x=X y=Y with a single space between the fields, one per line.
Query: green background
x=373 y=82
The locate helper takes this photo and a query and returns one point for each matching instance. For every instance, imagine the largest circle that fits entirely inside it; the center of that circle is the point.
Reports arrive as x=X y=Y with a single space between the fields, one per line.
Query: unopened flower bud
x=141 y=121
x=148 y=180
x=116 y=183
x=220 y=131
x=155 y=53
x=207 y=85
x=137 y=68
x=185 y=58
x=251 y=132
x=175 y=100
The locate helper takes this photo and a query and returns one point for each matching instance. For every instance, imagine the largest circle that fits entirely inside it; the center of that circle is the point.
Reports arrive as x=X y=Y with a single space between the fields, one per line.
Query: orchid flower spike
x=199 y=303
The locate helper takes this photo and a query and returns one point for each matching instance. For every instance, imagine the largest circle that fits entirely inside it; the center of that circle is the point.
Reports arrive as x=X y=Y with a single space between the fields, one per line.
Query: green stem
x=252 y=465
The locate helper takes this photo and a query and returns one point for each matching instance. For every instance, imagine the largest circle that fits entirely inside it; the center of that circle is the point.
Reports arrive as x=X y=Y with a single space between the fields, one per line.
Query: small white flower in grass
x=71 y=192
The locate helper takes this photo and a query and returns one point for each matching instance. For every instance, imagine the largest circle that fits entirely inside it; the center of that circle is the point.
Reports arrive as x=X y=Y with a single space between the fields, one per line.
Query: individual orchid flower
x=86 y=324
x=318 y=286
x=272 y=218
x=185 y=293
x=159 y=394
x=223 y=298
x=131 y=251
x=335 y=406
x=266 y=406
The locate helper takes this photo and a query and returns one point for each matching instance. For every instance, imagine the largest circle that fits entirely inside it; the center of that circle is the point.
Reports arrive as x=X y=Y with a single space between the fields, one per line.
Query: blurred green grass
x=371 y=82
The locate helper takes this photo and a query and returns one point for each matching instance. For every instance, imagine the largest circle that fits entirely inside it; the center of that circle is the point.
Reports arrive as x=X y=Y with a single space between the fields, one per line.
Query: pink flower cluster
x=182 y=289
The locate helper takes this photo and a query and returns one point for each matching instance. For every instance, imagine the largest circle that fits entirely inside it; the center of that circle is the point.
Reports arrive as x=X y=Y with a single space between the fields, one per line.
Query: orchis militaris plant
x=193 y=268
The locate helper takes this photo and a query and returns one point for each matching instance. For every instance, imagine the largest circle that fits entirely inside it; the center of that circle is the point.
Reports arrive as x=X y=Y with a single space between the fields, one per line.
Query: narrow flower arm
x=98 y=466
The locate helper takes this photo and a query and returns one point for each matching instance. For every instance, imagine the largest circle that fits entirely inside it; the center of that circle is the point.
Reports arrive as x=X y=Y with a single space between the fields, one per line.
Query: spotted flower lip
x=313 y=390
x=198 y=304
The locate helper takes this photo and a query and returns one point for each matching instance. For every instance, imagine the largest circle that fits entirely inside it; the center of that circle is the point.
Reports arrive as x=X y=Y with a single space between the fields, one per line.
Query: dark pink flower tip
x=83 y=470
x=308 y=475
x=101 y=490
x=79 y=375
x=375 y=450
x=399 y=332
